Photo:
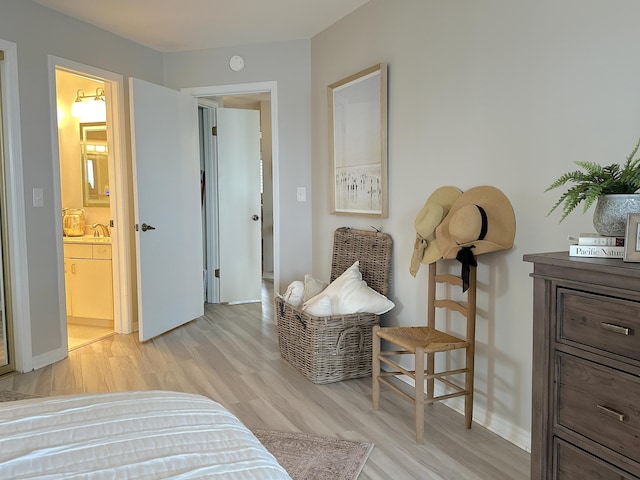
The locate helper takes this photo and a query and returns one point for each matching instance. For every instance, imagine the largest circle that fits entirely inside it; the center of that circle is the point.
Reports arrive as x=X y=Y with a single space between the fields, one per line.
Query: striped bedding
x=129 y=435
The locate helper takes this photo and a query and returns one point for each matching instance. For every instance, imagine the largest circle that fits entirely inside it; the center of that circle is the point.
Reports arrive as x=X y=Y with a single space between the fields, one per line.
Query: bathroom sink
x=89 y=239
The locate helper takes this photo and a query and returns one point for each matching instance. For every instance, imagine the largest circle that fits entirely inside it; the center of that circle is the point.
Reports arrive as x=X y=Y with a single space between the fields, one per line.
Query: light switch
x=301 y=194
x=38 y=197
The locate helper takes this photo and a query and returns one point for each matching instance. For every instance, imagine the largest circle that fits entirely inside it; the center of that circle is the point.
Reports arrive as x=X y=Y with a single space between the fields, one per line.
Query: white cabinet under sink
x=88 y=277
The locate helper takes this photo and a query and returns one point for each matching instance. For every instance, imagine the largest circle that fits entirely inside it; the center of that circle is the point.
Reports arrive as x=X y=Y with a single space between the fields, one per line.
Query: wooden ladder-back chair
x=427 y=341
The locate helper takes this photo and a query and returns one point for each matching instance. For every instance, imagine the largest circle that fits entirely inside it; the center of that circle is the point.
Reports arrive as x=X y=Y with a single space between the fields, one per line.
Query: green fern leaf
x=594 y=180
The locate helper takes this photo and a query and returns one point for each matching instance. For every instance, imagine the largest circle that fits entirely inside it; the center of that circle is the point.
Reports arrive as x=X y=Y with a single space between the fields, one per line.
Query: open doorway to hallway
x=232 y=203
x=262 y=103
x=261 y=97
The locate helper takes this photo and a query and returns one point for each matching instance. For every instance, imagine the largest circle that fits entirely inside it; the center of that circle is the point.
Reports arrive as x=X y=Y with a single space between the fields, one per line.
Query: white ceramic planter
x=610 y=215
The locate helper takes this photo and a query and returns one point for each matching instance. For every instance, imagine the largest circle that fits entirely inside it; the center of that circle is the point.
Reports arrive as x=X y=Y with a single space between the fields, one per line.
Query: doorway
x=262 y=103
x=86 y=212
x=6 y=324
x=236 y=217
x=16 y=291
x=263 y=97
x=91 y=245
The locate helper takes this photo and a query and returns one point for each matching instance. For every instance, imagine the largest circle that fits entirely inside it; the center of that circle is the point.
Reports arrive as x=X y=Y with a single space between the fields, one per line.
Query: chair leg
x=419 y=394
x=430 y=381
x=468 y=385
x=375 y=367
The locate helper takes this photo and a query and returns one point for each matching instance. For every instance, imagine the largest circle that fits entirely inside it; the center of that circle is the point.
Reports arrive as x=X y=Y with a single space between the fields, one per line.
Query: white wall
x=288 y=64
x=38 y=32
x=489 y=92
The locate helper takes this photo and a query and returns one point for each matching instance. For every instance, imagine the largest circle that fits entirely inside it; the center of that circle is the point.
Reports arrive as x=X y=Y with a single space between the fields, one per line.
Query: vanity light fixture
x=94 y=110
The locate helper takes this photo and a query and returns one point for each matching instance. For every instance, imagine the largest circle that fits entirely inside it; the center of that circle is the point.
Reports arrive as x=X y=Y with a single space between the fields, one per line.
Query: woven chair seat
x=429 y=339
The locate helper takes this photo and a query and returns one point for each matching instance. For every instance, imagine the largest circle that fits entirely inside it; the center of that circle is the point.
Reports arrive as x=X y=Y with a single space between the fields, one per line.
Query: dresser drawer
x=599 y=402
x=605 y=323
x=571 y=463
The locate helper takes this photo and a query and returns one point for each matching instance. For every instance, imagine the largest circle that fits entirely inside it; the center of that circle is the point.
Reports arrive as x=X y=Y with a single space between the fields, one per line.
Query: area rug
x=311 y=457
x=10 y=395
x=303 y=456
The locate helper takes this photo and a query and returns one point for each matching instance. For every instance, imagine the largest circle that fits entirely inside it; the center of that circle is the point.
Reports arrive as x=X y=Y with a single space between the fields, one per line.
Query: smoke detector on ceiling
x=236 y=63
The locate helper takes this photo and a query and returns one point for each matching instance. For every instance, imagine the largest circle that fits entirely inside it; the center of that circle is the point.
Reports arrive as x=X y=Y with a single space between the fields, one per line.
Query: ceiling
x=179 y=25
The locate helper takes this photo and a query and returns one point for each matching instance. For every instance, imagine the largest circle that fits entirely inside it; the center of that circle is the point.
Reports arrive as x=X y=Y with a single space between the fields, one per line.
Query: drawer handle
x=611 y=411
x=615 y=328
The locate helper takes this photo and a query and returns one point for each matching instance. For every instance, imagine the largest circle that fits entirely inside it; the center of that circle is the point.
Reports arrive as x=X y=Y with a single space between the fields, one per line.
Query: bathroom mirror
x=95 y=164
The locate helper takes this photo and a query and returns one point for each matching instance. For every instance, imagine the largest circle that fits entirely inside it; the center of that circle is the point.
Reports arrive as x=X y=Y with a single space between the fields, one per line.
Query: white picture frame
x=358 y=143
x=632 y=238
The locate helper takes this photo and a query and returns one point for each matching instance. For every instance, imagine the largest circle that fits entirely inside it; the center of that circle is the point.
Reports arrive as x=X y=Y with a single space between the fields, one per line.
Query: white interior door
x=166 y=171
x=240 y=231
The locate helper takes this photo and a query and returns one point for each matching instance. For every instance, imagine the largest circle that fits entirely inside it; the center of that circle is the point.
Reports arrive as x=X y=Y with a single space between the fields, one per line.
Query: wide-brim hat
x=482 y=219
x=436 y=208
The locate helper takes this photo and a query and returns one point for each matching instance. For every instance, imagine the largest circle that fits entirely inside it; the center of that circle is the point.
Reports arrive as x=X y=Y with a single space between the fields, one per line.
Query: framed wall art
x=632 y=238
x=358 y=143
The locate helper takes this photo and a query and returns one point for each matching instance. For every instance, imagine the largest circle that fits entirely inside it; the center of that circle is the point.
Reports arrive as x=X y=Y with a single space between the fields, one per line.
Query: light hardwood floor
x=231 y=355
x=80 y=335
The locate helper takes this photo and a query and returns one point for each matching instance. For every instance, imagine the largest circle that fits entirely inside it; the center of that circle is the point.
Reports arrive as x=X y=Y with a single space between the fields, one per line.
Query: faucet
x=100 y=230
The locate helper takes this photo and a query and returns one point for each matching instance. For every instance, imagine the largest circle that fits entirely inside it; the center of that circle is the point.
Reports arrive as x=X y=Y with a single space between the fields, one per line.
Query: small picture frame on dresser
x=632 y=238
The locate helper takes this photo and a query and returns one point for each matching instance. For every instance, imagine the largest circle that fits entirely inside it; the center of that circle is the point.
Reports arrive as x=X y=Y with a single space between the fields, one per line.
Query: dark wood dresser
x=586 y=368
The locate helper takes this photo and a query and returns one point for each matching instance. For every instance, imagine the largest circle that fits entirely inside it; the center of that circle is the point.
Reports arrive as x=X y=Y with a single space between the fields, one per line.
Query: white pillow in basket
x=293 y=294
x=312 y=287
x=321 y=307
x=350 y=294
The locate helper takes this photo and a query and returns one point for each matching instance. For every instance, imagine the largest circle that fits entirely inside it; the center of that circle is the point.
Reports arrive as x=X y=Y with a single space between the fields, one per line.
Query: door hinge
x=214 y=131
x=216 y=273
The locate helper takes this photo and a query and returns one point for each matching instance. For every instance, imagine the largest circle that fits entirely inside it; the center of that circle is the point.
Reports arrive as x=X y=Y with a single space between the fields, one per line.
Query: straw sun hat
x=425 y=248
x=481 y=219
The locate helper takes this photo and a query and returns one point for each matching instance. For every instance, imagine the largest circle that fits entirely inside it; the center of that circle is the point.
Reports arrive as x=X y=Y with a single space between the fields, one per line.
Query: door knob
x=146 y=227
x=255 y=218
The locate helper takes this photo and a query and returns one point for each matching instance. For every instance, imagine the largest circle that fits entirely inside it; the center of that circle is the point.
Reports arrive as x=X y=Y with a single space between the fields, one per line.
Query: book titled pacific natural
x=594 y=245
x=596 y=251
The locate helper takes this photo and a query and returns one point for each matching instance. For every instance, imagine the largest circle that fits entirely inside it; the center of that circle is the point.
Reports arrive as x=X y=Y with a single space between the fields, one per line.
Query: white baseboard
x=489 y=420
x=92 y=322
x=494 y=423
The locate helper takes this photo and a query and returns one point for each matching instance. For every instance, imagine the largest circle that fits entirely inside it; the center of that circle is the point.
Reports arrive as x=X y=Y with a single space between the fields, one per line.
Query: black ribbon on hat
x=465 y=255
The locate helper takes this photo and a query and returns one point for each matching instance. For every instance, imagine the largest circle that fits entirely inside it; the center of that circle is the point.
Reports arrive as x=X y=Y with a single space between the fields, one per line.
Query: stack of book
x=594 y=245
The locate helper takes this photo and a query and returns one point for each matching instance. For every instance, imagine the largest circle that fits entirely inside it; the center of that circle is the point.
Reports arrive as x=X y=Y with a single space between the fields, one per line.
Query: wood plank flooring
x=231 y=355
x=80 y=335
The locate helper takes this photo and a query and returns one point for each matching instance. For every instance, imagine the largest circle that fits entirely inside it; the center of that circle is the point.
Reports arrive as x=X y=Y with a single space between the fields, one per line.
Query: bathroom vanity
x=87 y=270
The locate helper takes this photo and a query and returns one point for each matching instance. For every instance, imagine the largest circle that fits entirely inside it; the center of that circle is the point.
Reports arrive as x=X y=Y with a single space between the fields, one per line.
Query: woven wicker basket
x=330 y=349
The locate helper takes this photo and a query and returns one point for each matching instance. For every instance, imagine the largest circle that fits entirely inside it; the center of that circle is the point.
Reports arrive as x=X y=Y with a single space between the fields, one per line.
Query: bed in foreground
x=142 y=435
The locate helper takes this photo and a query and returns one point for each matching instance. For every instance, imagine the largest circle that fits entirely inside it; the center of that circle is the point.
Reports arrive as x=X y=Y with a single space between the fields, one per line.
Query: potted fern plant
x=612 y=187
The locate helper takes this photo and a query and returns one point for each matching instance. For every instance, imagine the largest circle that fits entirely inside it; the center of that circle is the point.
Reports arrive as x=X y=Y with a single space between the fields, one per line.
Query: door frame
x=17 y=234
x=247 y=88
x=121 y=262
x=209 y=227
